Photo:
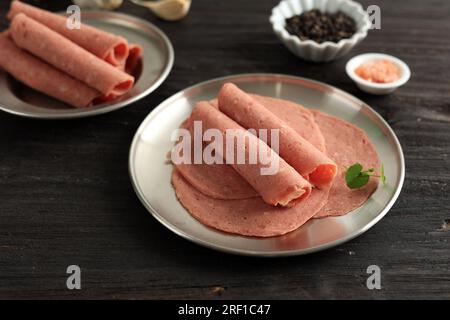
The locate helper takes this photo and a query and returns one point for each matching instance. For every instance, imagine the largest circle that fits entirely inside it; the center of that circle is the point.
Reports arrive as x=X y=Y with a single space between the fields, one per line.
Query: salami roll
x=284 y=186
x=107 y=46
x=42 y=77
x=304 y=157
x=133 y=58
x=68 y=57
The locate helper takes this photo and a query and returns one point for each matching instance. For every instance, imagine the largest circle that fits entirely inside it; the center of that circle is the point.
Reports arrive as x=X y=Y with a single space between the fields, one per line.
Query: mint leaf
x=356 y=178
x=359 y=181
x=352 y=173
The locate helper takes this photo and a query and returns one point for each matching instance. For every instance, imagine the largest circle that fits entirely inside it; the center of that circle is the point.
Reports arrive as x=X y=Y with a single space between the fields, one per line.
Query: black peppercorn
x=321 y=26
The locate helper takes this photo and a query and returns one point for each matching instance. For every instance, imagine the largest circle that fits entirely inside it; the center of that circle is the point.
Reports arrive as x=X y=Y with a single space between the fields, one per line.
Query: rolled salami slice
x=284 y=186
x=304 y=157
x=67 y=56
x=106 y=46
x=42 y=77
x=132 y=62
x=219 y=181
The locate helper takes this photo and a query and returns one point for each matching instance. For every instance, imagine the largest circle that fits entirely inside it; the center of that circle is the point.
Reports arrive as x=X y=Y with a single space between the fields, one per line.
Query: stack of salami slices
x=312 y=151
x=81 y=66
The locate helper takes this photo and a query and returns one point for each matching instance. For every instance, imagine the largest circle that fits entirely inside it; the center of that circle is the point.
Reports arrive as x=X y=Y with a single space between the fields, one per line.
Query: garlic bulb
x=103 y=4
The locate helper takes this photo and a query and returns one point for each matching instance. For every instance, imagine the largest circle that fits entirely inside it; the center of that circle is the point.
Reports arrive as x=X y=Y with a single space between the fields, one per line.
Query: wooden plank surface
x=66 y=198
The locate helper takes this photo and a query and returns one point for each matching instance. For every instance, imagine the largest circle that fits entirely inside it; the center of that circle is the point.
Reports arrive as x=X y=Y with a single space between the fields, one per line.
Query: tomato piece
x=323 y=174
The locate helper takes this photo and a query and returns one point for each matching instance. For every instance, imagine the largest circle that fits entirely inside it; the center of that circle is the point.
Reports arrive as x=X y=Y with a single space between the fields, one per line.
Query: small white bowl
x=308 y=49
x=377 y=88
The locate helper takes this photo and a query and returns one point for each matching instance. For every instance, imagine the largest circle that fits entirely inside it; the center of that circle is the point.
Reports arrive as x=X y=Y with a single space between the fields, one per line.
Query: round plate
x=150 y=173
x=157 y=61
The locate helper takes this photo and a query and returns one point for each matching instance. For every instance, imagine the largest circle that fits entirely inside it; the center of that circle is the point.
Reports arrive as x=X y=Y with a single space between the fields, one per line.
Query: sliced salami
x=42 y=77
x=296 y=150
x=68 y=57
x=107 y=46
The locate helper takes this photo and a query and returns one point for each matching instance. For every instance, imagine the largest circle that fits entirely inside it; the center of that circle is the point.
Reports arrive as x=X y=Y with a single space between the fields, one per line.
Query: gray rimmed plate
x=150 y=174
x=156 y=63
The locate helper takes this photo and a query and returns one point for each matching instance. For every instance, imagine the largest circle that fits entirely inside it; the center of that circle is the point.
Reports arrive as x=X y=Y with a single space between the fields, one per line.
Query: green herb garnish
x=356 y=178
x=382 y=176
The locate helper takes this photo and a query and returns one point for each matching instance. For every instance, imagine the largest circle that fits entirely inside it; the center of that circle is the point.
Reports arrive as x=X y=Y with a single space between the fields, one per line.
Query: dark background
x=66 y=198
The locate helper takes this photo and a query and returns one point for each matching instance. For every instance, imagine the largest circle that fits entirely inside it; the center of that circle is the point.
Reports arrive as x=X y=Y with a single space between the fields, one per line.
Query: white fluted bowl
x=311 y=50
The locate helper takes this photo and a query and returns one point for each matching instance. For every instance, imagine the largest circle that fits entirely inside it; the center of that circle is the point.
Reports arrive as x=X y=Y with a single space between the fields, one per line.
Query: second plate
x=157 y=61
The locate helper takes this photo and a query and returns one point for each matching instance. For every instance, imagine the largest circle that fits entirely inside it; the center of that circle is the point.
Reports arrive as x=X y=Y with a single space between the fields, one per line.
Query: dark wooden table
x=66 y=198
